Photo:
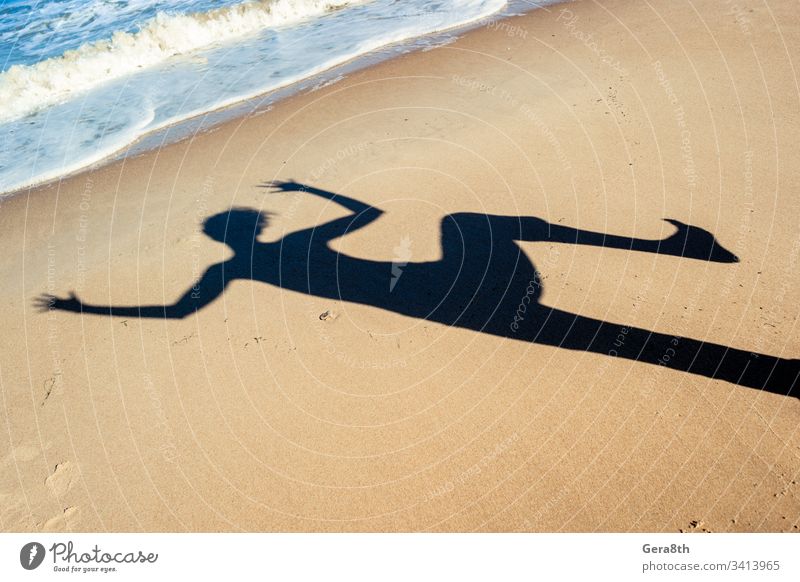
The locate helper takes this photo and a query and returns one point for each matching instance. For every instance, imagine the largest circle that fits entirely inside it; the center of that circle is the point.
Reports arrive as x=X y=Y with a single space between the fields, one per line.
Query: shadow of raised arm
x=351 y=204
x=362 y=213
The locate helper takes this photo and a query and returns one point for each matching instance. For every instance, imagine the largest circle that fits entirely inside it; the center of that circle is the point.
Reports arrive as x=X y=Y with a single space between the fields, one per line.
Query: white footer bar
x=406 y=557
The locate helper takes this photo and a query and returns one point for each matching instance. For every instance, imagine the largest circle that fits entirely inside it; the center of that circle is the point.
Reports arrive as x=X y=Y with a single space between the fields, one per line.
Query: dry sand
x=259 y=414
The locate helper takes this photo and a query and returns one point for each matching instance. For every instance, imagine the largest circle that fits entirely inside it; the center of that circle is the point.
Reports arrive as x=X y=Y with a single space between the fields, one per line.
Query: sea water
x=82 y=79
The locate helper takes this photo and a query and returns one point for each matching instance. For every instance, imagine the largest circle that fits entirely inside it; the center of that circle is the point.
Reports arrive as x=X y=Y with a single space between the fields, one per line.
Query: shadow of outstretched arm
x=210 y=286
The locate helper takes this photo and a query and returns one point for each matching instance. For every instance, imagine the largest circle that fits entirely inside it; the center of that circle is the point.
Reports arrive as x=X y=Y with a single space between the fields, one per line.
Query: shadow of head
x=236 y=227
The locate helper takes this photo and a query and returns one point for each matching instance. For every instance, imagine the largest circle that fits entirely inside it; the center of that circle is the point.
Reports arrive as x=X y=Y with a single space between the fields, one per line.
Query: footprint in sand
x=328 y=315
x=68 y=520
x=59 y=483
x=62 y=479
x=53 y=386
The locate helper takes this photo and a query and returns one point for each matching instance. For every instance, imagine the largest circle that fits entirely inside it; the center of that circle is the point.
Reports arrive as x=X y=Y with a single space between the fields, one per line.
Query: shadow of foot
x=693 y=242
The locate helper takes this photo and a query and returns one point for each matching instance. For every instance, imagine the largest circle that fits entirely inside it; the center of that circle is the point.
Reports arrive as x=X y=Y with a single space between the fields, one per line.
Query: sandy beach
x=464 y=289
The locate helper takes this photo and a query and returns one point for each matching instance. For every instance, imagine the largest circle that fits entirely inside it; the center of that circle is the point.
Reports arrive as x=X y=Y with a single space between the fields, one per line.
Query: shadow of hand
x=46 y=302
x=284 y=186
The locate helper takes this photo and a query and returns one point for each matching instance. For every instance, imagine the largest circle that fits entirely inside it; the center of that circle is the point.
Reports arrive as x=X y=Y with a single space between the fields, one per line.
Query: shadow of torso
x=480 y=283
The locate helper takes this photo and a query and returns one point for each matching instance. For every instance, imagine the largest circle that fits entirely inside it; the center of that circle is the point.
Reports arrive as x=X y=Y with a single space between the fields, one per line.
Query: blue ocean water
x=82 y=79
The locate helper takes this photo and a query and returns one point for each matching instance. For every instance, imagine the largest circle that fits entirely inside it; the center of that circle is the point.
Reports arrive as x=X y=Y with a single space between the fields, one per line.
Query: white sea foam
x=79 y=108
x=28 y=88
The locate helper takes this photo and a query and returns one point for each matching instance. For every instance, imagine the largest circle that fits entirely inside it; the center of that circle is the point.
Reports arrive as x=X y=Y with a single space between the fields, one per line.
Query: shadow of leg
x=744 y=368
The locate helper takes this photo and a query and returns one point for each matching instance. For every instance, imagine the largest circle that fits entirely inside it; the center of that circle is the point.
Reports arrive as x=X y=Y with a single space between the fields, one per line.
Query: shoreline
x=212 y=373
x=257 y=104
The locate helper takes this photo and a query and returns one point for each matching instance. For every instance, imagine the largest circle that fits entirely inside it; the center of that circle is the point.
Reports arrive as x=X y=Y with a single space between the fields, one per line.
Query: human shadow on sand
x=483 y=282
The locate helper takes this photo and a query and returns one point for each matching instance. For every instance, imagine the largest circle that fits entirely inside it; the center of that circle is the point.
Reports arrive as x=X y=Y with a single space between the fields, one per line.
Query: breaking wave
x=25 y=89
